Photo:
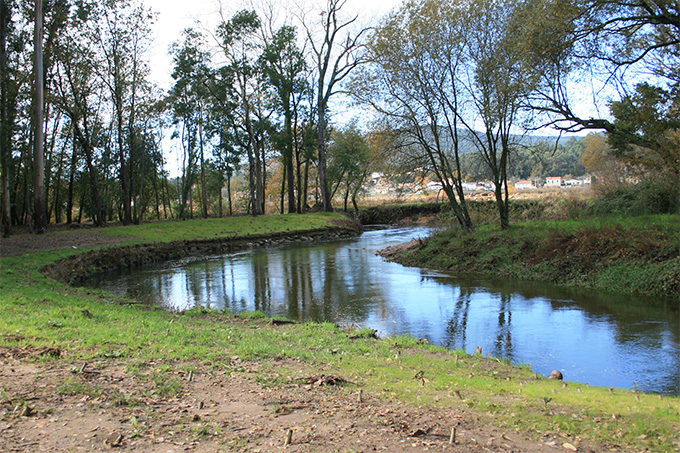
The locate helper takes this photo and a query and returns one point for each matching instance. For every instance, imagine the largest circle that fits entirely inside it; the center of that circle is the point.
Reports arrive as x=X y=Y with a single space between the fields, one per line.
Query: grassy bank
x=633 y=255
x=65 y=324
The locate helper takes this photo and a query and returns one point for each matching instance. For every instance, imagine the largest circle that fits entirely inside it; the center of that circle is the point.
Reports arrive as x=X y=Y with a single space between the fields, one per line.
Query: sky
x=176 y=15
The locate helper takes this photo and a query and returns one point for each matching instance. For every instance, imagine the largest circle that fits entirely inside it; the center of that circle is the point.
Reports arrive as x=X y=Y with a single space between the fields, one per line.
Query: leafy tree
x=498 y=83
x=283 y=65
x=8 y=95
x=648 y=128
x=78 y=93
x=595 y=153
x=123 y=36
x=187 y=102
x=239 y=44
x=348 y=162
x=414 y=82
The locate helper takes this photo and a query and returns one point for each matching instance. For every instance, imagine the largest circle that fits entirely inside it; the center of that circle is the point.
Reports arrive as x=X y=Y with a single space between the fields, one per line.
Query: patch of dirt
x=396 y=250
x=53 y=406
x=79 y=239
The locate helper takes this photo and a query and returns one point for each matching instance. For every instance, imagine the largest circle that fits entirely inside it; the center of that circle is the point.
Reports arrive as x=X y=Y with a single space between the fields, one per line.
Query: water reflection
x=593 y=338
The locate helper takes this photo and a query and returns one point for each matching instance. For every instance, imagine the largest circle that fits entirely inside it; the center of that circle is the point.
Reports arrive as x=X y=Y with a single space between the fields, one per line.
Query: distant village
x=379 y=184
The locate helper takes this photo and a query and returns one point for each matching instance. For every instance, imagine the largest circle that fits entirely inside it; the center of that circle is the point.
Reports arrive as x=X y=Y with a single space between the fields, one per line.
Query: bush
x=658 y=195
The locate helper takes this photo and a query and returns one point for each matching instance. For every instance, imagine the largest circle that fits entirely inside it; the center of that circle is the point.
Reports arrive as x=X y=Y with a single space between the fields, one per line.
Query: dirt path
x=51 y=406
x=22 y=242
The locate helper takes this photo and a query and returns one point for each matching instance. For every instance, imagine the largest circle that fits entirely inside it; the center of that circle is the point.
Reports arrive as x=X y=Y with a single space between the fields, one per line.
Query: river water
x=597 y=339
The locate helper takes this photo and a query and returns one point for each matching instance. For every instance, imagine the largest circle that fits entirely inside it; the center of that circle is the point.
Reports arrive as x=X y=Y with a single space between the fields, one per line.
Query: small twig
x=82 y=368
x=452 y=439
x=191 y=375
x=289 y=438
x=360 y=396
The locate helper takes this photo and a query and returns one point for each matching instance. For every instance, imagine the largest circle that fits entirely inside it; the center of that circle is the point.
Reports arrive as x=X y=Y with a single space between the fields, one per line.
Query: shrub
x=655 y=195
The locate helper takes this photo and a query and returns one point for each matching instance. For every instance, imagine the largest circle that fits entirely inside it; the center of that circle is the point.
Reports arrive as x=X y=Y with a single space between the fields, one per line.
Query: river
x=597 y=339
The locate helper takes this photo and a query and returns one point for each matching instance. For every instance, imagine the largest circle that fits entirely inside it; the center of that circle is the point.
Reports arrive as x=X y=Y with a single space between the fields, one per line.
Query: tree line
x=446 y=75
x=82 y=125
x=251 y=96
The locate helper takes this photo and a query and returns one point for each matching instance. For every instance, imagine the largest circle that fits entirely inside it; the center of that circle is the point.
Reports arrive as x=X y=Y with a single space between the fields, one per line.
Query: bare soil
x=21 y=241
x=50 y=405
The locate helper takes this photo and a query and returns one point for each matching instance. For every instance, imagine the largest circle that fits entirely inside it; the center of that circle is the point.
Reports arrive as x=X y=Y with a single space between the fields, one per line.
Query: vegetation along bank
x=634 y=255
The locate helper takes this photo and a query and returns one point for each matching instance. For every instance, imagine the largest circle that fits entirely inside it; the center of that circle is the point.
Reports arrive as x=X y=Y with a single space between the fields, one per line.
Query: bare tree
x=336 y=55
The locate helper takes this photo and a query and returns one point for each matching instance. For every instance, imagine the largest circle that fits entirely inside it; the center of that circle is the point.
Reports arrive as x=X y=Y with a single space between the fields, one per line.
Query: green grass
x=202 y=229
x=630 y=255
x=38 y=312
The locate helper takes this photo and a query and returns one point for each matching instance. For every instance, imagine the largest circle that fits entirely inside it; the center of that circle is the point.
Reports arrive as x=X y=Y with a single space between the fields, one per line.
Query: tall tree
x=40 y=206
x=239 y=43
x=336 y=54
x=6 y=115
x=498 y=84
x=187 y=97
x=123 y=36
x=283 y=65
x=415 y=82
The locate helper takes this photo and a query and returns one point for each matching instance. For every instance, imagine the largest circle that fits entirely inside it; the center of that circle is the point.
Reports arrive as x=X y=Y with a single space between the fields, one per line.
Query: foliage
x=585 y=254
x=632 y=49
x=651 y=196
x=348 y=162
x=652 y=114
x=414 y=83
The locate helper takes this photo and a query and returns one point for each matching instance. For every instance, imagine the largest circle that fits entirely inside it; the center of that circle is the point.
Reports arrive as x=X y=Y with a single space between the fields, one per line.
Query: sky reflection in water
x=598 y=339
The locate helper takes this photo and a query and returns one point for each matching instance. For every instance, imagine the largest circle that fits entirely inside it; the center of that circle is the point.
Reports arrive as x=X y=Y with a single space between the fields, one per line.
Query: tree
x=335 y=58
x=238 y=42
x=647 y=125
x=283 y=64
x=40 y=207
x=595 y=153
x=7 y=102
x=497 y=84
x=187 y=97
x=123 y=36
x=78 y=93
x=622 y=43
x=414 y=80
x=348 y=162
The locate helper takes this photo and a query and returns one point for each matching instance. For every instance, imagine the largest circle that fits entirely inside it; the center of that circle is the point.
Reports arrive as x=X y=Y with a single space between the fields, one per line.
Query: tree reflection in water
x=595 y=338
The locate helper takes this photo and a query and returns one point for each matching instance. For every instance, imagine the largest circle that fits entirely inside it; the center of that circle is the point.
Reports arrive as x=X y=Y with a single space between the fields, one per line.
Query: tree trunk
x=283 y=185
x=204 y=194
x=56 y=207
x=71 y=181
x=5 y=122
x=219 y=198
x=323 y=183
x=289 y=161
x=229 y=194
x=92 y=171
x=39 y=210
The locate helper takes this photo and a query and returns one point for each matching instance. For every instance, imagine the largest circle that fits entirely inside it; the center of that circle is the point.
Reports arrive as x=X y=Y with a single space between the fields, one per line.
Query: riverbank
x=629 y=255
x=84 y=369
